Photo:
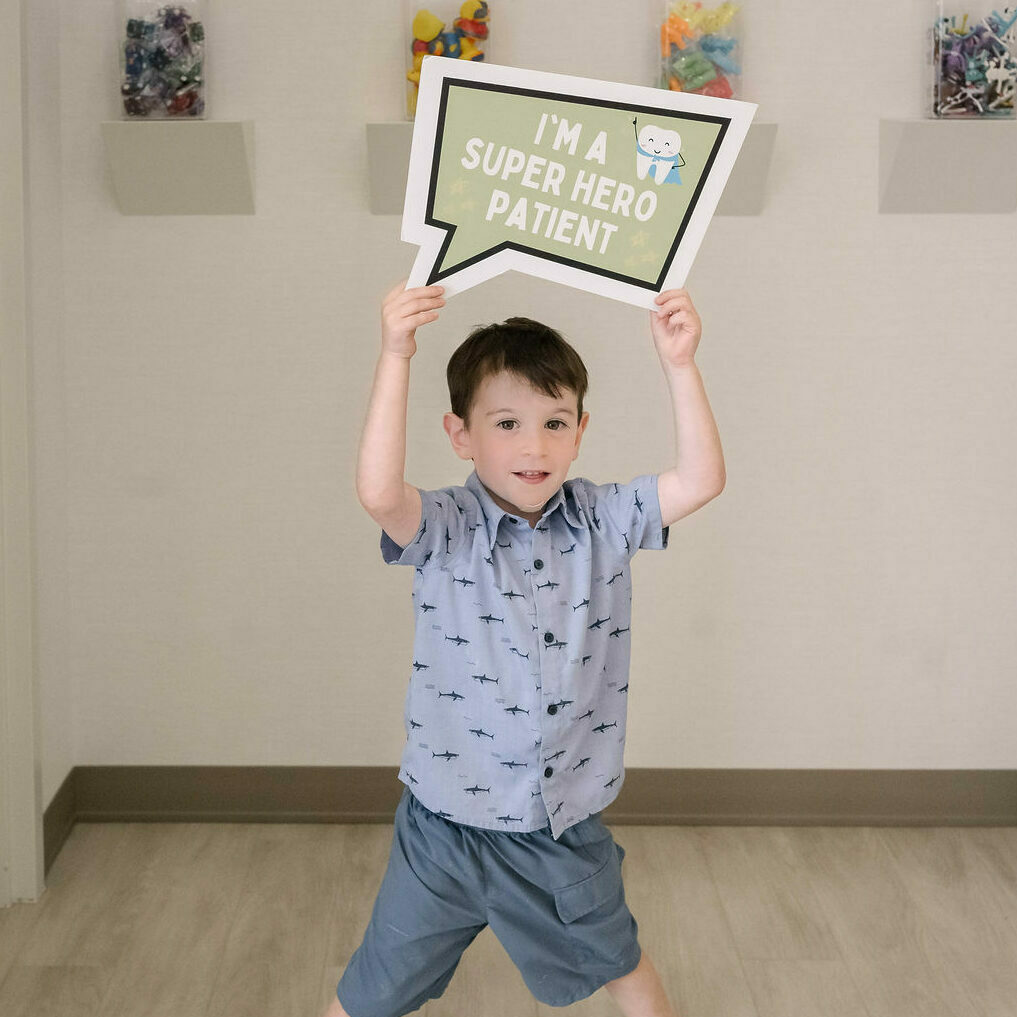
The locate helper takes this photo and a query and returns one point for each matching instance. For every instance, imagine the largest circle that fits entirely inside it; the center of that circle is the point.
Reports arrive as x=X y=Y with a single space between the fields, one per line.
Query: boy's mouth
x=532 y=478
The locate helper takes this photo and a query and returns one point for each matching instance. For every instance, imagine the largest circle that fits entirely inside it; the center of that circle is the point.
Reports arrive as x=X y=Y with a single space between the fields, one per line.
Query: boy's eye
x=562 y=422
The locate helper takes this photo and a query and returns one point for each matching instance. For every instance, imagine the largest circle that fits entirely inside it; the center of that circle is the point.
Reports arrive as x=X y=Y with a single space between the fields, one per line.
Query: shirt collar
x=493 y=512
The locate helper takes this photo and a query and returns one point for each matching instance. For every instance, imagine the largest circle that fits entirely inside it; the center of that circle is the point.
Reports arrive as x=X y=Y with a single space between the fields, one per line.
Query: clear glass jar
x=162 y=60
x=974 y=62
x=458 y=30
x=700 y=48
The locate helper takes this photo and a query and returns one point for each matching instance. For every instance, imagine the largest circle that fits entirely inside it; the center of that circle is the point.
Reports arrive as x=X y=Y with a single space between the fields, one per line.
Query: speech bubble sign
x=604 y=186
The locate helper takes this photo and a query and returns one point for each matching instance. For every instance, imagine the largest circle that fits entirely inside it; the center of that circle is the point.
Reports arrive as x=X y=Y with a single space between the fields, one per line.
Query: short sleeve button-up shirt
x=516 y=707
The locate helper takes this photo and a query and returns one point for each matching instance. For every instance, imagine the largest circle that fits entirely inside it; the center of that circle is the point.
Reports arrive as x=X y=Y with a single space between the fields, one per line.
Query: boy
x=516 y=708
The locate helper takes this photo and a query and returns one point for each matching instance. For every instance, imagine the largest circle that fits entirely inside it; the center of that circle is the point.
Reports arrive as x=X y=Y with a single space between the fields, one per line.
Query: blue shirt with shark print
x=516 y=706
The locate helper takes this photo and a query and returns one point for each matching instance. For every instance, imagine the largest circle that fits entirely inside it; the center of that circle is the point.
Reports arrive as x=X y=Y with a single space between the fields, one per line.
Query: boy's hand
x=676 y=327
x=403 y=311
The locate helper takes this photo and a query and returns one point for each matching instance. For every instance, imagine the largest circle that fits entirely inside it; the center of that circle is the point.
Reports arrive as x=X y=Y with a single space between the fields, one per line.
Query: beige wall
x=210 y=591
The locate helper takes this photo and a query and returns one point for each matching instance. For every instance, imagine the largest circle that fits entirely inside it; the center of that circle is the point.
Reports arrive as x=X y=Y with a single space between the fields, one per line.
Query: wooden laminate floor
x=209 y=920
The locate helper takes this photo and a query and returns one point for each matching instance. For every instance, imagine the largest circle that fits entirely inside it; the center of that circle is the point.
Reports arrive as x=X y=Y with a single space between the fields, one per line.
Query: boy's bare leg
x=640 y=992
x=336 y=1009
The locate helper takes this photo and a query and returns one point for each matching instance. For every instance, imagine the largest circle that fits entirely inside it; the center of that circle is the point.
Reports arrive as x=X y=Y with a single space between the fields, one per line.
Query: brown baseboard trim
x=652 y=796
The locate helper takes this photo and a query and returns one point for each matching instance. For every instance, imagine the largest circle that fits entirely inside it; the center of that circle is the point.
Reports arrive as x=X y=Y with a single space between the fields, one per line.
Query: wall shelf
x=936 y=166
x=181 y=167
x=388 y=160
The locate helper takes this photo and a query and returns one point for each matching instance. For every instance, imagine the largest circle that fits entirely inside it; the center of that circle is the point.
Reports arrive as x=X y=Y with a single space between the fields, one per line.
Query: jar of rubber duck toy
x=162 y=59
x=460 y=31
x=700 y=48
x=974 y=60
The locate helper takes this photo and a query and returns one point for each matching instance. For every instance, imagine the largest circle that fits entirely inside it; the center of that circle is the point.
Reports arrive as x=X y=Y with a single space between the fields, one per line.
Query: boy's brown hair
x=521 y=346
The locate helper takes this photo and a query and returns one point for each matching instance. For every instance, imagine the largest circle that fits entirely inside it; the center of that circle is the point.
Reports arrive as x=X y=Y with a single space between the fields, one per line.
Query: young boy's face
x=514 y=428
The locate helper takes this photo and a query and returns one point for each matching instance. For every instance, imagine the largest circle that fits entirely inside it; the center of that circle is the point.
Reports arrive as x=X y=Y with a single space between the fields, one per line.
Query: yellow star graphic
x=639 y=240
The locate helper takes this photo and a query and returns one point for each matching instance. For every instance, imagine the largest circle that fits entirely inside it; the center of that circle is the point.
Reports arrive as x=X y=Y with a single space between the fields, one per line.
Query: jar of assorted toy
x=974 y=61
x=459 y=30
x=162 y=60
x=700 y=48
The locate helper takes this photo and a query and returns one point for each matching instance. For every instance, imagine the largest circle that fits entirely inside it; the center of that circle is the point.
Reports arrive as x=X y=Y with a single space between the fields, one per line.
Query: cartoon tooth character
x=658 y=149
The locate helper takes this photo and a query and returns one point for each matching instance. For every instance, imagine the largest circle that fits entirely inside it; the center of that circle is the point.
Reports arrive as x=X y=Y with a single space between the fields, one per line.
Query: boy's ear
x=456 y=431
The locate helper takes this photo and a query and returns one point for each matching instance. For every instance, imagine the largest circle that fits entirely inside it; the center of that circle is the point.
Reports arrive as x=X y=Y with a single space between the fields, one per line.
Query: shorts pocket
x=581 y=898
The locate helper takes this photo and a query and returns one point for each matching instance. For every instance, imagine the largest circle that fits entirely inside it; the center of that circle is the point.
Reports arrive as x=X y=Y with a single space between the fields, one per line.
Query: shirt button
x=538 y=564
x=548 y=637
x=552 y=709
x=548 y=771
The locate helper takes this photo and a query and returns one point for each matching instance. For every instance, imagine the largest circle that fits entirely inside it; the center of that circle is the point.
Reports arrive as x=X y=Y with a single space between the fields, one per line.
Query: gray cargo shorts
x=557 y=907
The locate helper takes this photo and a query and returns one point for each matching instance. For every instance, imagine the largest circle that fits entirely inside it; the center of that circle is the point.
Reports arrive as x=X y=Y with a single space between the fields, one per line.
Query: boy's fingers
x=420 y=293
x=674 y=305
x=426 y=291
x=422 y=318
x=399 y=295
x=420 y=304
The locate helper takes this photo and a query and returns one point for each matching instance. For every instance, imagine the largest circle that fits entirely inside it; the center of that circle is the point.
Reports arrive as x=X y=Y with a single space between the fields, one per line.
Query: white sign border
x=430 y=239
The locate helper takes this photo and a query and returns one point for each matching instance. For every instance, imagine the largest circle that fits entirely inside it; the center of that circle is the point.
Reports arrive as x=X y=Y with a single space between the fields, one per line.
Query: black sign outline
x=436 y=275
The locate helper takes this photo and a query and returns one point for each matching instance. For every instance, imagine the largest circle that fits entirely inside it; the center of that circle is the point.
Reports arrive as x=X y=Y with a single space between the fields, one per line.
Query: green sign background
x=638 y=249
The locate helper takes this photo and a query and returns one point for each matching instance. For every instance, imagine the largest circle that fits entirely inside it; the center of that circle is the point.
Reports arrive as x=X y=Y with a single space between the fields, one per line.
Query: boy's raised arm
x=381 y=461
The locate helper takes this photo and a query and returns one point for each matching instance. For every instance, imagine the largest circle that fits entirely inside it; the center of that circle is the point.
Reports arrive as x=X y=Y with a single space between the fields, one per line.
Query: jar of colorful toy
x=700 y=48
x=974 y=62
x=162 y=60
x=460 y=31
